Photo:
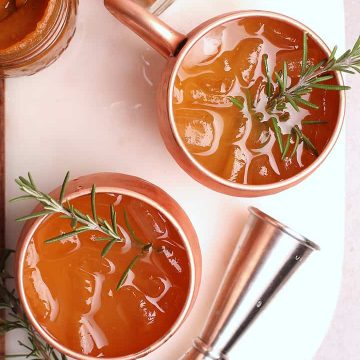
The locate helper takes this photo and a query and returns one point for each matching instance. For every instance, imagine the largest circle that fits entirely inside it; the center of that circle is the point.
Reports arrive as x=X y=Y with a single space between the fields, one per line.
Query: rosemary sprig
x=14 y=318
x=311 y=77
x=67 y=210
x=315 y=76
x=145 y=248
x=88 y=223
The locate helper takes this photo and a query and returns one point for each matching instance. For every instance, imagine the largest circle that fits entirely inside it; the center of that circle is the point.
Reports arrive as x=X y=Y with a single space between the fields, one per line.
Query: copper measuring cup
x=175 y=46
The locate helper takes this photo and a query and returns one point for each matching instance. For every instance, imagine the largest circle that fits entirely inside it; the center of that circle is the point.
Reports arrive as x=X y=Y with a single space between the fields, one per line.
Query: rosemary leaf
x=296 y=145
x=313 y=122
x=331 y=87
x=25 y=182
x=287 y=146
x=278 y=134
x=23 y=197
x=305 y=53
x=108 y=226
x=310 y=145
x=131 y=230
x=236 y=102
x=33 y=216
x=285 y=75
x=103 y=239
x=113 y=219
x=356 y=46
x=67 y=235
x=108 y=247
x=63 y=187
x=267 y=72
x=322 y=78
x=74 y=222
x=333 y=53
x=93 y=203
x=126 y=272
x=344 y=56
x=307 y=103
x=292 y=102
x=304 y=91
x=306 y=141
x=32 y=181
x=280 y=83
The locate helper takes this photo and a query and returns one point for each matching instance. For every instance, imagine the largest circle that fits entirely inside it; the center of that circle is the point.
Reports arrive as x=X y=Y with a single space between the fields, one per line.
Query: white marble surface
x=93 y=110
x=342 y=341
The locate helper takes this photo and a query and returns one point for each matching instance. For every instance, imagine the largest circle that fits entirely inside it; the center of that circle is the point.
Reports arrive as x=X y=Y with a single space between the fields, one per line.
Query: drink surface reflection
x=241 y=145
x=71 y=289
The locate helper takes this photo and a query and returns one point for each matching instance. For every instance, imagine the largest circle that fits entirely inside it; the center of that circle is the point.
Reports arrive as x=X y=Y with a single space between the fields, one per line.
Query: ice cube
x=147 y=222
x=234 y=169
x=200 y=129
x=208 y=47
x=245 y=59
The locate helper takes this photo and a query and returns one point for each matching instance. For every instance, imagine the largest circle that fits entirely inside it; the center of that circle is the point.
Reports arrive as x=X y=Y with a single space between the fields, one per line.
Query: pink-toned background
x=342 y=341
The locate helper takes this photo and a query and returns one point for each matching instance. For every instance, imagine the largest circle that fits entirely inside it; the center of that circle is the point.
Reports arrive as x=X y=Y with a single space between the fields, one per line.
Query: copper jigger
x=268 y=253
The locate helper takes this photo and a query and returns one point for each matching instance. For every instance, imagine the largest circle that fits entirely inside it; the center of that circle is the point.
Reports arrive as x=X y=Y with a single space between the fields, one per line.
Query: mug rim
x=251 y=189
x=191 y=292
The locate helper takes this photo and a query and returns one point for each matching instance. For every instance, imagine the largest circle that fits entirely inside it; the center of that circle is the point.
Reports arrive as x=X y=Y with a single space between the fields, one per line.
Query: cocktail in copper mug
x=68 y=291
x=231 y=151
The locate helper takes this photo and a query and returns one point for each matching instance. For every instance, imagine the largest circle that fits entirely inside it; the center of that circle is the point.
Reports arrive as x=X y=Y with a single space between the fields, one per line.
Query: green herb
x=278 y=134
x=287 y=146
x=297 y=143
x=145 y=248
x=67 y=210
x=76 y=217
x=269 y=87
x=306 y=141
x=313 y=122
x=311 y=77
x=314 y=76
x=14 y=318
x=237 y=102
x=126 y=272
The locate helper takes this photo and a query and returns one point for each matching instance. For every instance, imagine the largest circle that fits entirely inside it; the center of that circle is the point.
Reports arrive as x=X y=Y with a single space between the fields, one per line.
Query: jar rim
x=54 y=27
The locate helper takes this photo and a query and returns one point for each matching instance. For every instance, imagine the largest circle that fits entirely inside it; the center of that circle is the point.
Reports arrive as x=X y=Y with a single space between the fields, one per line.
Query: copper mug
x=140 y=189
x=175 y=46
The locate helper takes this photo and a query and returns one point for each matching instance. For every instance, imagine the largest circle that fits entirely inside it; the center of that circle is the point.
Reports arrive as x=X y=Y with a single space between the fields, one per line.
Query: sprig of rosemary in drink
x=14 y=318
x=87 y=222
x=315 y=76
x=311 y=77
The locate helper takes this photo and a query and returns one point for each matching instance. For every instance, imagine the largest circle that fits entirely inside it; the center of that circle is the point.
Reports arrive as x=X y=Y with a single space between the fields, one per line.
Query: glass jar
x=155 y=6
x=44 y=45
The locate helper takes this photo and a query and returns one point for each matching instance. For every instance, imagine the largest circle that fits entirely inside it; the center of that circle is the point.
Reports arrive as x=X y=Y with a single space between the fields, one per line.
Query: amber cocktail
x=71 y=293
x=240 y=145
x=229 y=149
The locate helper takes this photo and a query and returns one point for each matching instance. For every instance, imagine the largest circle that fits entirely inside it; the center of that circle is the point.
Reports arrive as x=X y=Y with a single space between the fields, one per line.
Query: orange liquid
x=16 y=23
x=232 y=143
x=71 y=289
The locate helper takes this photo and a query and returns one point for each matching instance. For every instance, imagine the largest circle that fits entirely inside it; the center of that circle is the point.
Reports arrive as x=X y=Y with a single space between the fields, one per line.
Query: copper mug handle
x=154 y=31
